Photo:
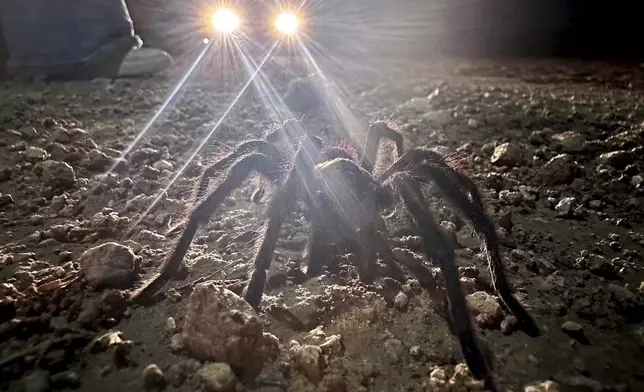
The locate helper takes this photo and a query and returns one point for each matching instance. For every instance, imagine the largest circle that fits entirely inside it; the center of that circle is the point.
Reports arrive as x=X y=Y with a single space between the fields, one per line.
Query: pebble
x=35 y=154
x=308 y=359
x=217 y=377
x=163 y=165
x=5 y=174
x=110 y=264
x=507 y=154
x=153 y=377
x=574 y=330
x=565 y=206
x=401 y=300
x=486 y=309
x=170 y=326
x=5 y=200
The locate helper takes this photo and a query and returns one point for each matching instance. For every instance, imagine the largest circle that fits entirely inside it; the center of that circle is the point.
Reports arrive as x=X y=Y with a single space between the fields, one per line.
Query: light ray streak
x=162 y=108
x=205 y=140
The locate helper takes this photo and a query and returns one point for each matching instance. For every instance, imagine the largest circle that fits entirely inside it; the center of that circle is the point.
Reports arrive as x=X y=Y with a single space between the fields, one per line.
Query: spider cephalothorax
x=345 y=202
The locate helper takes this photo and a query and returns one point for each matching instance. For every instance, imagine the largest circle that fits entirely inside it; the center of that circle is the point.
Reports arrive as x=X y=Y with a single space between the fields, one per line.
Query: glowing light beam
x=203 y=143
x=162 y=108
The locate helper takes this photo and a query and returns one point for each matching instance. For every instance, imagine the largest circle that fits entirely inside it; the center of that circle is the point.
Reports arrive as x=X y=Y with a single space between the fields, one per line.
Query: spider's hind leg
x=439 y=248
x=450 y=183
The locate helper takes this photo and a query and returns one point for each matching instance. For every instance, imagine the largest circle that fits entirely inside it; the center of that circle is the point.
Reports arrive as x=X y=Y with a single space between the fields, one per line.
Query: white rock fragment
x=108 y=265
x=220 y=326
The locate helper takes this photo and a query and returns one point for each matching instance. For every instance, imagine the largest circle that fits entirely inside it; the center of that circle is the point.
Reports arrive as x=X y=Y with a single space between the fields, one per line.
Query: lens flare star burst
x=225 y=20
x=287 y=23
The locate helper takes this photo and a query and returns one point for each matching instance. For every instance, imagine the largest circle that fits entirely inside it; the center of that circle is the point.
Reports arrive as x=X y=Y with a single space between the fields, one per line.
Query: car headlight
x=287 y=23
x=225 y=20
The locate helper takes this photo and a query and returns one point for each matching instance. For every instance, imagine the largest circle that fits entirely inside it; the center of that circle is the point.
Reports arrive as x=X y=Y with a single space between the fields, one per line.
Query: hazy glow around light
x=287 y=23
x=225 y=20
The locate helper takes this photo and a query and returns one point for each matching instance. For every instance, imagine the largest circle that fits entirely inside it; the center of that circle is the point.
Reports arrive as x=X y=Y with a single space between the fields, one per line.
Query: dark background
x=562 y=28
x=508 y=28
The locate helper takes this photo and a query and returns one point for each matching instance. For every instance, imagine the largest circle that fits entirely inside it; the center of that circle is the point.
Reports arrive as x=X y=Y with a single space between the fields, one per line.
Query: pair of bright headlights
x=226 y=21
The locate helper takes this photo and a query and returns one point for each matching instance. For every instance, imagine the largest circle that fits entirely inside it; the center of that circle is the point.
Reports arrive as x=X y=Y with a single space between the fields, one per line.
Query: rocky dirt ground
x=556 y=147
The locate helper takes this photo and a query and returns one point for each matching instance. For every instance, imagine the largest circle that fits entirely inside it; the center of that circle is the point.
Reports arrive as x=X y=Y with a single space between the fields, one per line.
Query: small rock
x=559 y=170
x=637 y=181
x=565 y=206
x=5 y=174
x=401 y=300
x=569 y=141
x=438 y=380
x=163 y=165
x=594 y=204
x=507 y=154
x=62 y=135
x=537 y=138
x=58 y=174
x=510 y=197
x=35 y=154
x=110 y=264
x=308 y=359
x=217 y=377
x=170 y=326
x=5 y=199
x=574 y=330
x=177 y=343
x=546 y=386
x=28 y=133
x=153 y=377
x=151 y=173
x=486 y=309
x=619 y=158
x=220 y=326
x=462 y=380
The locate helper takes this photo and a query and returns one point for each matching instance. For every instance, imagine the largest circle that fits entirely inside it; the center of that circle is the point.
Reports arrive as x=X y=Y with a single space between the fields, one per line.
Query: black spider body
x=345 y=203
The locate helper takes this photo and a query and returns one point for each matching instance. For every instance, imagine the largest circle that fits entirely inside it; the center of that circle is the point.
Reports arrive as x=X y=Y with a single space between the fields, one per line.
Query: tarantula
x=346 y=202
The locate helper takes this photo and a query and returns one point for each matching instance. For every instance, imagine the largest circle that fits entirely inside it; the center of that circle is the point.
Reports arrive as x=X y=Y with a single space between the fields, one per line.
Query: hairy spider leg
x=236 y=175
x=439 y=248
x=213 y=171
x=430 y=167
x=378 y=131
x=447 y=180
x=280 y=204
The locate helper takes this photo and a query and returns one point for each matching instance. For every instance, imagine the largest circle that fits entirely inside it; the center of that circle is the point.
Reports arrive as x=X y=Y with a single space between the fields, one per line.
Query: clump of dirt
x=556 y=149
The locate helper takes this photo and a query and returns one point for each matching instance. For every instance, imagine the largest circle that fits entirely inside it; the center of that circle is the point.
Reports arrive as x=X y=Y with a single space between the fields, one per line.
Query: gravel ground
x=556 y=147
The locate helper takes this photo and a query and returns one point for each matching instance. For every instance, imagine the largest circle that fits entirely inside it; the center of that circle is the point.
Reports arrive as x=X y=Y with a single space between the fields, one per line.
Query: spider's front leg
x=281 y=202
x=236 y=175
x=378 y=131
x=256 y=146
x=439 y=248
